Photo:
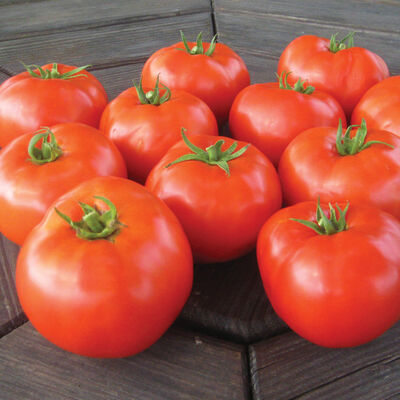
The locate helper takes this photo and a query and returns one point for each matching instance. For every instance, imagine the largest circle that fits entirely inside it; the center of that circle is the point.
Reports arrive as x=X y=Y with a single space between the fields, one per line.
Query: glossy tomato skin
x=380 y=106
x=215 y=79
x=220 y=214
x=144 y=132
x=28 y=103
x=311 y=166
x=270 y=117
x=346 y=75
x=336 y=290
x=105 y=298
x=28 y=189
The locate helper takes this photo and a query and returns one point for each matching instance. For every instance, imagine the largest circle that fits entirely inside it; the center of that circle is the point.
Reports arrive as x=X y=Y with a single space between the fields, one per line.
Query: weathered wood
x=268 y=35
x=229 y=301
x=288 y=367
x=180 y=366
x=18 y=20
x=104 y=46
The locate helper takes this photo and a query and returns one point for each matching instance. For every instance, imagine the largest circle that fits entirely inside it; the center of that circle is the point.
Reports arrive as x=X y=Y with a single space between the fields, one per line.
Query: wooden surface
x=254 y=357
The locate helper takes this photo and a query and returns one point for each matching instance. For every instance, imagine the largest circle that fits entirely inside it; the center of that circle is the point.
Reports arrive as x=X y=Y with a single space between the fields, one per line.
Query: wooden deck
x=227 y=343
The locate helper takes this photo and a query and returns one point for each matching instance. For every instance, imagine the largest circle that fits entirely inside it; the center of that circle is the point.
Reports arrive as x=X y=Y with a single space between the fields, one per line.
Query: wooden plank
x=105 y=46
x=378 y=15
x=268 y=35
x=288 y=367
x=18 y=20
x=261 y=67
x=180 y=366
x=229 y=301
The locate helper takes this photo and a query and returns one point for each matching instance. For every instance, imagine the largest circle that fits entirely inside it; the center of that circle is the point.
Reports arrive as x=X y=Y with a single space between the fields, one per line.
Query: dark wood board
x=289 y=367
x=18 y=20
x=181 y=365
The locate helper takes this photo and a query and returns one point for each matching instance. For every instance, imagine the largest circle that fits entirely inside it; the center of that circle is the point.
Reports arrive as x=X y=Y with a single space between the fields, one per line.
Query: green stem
x=198 y=48
x=335 y=46
x=298 y=86
x=53 y=73
x=49 y=151
x=212 y=155
x=152 y=96
x=95 y=224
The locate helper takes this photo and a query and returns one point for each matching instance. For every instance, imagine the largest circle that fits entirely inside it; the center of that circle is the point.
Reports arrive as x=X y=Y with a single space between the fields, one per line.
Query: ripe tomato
x=113 y=284
x=380 y=106
x=28 y=186
x=312 y=166
x=339 y=289
x=49 y=95
x=144 y=125
x=221 y=197
x=336 y=67
x=211 y=71
x=270 y=115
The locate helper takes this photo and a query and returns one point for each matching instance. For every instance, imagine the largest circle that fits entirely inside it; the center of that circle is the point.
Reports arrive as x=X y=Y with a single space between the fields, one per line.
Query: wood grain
x=180 y=366
x=371 y=371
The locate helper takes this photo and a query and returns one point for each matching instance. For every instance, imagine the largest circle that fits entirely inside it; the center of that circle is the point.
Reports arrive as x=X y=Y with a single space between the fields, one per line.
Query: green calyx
x=48 y=152
x=95 y=224
x=212 y=155
x=198 y=48
x=348 y=146
x=152 y=96
x=53 y=72
x=337 y=45
x=298 y=86
x=325 y=225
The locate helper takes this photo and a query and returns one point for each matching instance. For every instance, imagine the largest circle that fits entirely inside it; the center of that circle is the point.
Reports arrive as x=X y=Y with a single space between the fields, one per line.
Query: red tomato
x=34 y=99
x=27 y=188
x=312 y=166
x=215 y=78
x=113 y=296
x=336 y=290
x=270 y=115
x=336 y=67
x=380 y=106
x=144 y=132
x=220 y=213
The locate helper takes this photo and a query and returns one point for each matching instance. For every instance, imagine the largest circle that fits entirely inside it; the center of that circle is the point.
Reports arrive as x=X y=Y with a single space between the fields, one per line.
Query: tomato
x=380 y=106
x=211 y=71
x=49 y=95
x=221 y=197
x=30 y=181
x=270 y=115
x=365 y=172
x=337 y=290
x=144 y=124
x=111 y=284
x=336 y=67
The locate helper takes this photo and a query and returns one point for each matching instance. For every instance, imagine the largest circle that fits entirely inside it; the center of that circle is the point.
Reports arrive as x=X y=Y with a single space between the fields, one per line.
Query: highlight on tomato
x=334 y=66
x=356 y=164
x=333 y=275
x=145 y=123
x=270 y=115
x=211 y=71
x=37 y=168
x=107 y=270
x=48 y=95
x=221 y=190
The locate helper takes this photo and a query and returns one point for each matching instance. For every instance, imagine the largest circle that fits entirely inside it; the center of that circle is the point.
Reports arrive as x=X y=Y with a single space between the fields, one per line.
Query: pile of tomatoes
x=112 y=202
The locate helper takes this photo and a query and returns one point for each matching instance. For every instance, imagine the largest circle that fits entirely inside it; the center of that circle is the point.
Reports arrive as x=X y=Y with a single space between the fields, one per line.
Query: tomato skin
x=380 y=106
x=371 y=176
x=215 y=79
x=336 y=290
x=346 y=75
x=220 y=214
x=270 y=117
x=28 y=103
x=27 y=190
x=144 y=132
x=101 y=298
